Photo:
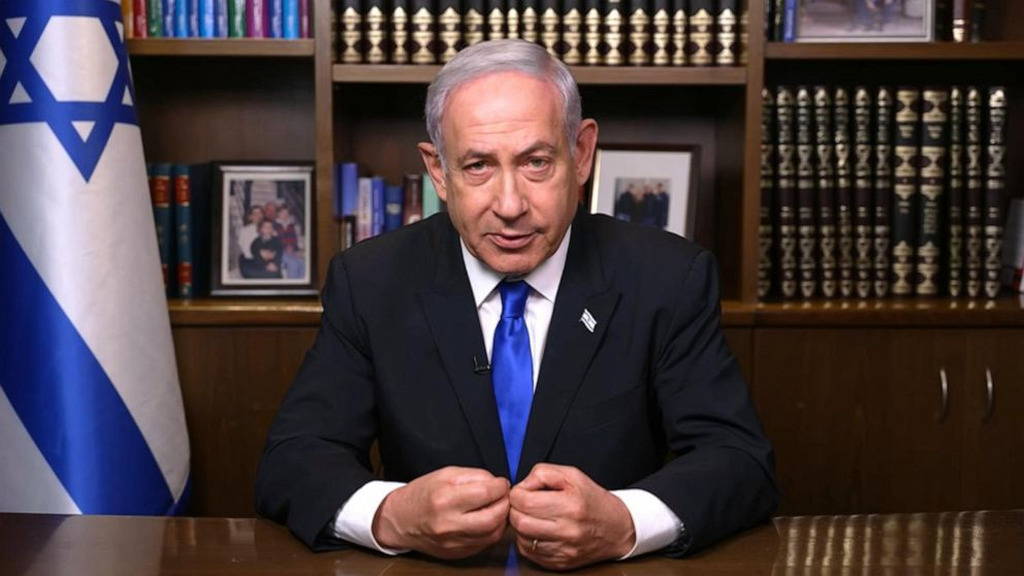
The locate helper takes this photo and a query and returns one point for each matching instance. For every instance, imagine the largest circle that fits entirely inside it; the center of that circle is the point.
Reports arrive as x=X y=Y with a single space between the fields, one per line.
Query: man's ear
x=433 y=164
x=586 y=142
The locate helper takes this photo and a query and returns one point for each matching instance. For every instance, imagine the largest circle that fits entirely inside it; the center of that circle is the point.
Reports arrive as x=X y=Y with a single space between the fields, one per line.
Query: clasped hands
x=561 y=518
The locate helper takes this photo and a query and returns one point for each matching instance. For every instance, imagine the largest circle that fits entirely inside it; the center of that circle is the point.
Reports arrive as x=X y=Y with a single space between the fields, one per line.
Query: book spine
x=140 y=19
x=614 y=24
x=291 y=19
x=127 y=18
x=789 y=21
x=199 y=176
x=473 y=22
x=349 y=188
x=513 y=19
x=844 y=192
x=377 y=205
x=236 y=18
x=256 y=18
x=275 y=18
x=449 y=24
x=785 y=111
x=495 y=16
x=805 y=197
x=220 y=18
x=393 y=204
x=883 y=189
x=824 y=173
x=572 y=32
x=181 y=29
x=778 y=19
x=906 y=195
x=767 y=181
x=977 y=20
x=661 y=33
x=412 y=211
x=529 y=20
x=154 y=20
x=943 y=11
x=973 y=193
x=638 y=25
x=374 y=26
x=351 y=32
x=550 y=26
x=364 y=210
x=590 y=45
x=961 y=20
x=193 y=12
x=700 y=33
x=184 y=231
x=726 y=48
x=995 y=187
x=680 y=22
x=933 y=161
x=424 y=29
x=862 y=187
x=160 y=196
x=304 y=20
x=167 y=11
x=206 y=19
x=955 y=211
x=399 y=22
x=348 y=229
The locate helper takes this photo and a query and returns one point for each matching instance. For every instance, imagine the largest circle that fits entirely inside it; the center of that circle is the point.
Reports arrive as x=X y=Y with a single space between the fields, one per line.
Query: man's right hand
x=450 y=513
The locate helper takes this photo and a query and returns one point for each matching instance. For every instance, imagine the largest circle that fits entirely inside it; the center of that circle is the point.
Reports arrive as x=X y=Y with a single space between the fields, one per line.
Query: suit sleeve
x=317 y=451
x=722 y=477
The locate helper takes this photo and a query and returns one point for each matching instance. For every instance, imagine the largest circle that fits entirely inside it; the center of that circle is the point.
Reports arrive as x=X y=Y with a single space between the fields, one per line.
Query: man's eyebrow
x=539 y=146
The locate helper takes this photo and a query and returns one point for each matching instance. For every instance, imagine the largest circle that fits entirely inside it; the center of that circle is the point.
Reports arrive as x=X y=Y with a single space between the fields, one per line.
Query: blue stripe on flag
x=67 y=402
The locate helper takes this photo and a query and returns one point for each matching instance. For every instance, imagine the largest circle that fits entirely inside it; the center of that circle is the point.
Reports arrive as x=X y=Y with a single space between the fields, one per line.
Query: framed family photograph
x=652 y=185
x=263 y=230
x=865 y=20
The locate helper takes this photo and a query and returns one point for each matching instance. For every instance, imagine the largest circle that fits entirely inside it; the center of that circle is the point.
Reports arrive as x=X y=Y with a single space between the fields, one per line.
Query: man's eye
x=538 y=163
x=475 y=166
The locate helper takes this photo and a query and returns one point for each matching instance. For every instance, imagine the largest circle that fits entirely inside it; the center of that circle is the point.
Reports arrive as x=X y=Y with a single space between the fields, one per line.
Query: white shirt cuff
x=656 y=525
x=354 y=521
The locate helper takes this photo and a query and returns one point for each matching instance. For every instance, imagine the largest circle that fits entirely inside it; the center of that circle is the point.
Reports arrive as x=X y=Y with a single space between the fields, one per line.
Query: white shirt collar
x=544 y=279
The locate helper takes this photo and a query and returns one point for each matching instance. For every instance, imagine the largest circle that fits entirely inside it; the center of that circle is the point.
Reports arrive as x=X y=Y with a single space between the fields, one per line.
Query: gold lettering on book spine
x=513 y=21
x=700 y=38
x=495 y=24
x=530 y=19
x=592 y=35
x=400 y=35
x=661 y=39
x=375 y=54
x=639 y=36
x=351 y=23
x=726 y=38
x=679 y=56
x=613 y=37
x=549 y=30
x=450 y=21
x=572 y=24
x=474 y=27
x=422 y=36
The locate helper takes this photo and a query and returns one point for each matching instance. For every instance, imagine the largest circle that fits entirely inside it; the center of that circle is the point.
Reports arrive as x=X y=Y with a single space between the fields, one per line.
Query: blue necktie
x=512 y=370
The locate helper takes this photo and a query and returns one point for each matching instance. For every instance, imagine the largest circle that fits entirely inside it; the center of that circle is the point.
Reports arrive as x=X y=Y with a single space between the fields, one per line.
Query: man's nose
x=509 y=200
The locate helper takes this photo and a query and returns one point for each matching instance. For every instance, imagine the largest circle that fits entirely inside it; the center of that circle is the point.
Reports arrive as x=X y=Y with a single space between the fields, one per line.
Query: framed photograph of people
x=652 y=185
x=263 y=230
x=865 y=21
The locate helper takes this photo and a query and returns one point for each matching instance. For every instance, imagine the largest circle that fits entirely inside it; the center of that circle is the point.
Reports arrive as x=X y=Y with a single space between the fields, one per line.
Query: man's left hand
x=564 y=520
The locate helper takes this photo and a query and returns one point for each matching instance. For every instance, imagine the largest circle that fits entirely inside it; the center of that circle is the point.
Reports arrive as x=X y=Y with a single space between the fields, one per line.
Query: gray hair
x=493 y=56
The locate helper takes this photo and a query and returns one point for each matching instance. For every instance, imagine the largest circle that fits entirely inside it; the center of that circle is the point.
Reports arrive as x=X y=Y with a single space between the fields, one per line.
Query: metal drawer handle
x=990 y=389
x=944 y=386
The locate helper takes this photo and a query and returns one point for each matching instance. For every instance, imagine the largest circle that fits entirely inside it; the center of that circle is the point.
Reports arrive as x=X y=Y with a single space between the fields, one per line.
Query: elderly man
x=524 y=366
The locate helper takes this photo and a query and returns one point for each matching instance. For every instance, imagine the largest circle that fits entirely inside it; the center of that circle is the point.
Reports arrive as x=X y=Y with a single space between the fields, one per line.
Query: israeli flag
x=91 y=417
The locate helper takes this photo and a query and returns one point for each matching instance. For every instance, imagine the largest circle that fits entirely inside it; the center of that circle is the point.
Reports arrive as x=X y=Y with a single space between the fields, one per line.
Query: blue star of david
x=43 y=106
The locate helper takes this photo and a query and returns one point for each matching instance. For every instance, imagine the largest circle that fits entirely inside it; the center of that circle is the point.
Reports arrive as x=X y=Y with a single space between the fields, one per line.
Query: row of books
x=579 y=32
x=216 y=18
x=366 y=206
x=180 y=195
x=876 y=192
x=952 y=20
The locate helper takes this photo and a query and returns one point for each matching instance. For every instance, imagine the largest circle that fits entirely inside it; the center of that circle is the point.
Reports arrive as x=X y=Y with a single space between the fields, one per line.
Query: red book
x=139 y=18
x=304 y=19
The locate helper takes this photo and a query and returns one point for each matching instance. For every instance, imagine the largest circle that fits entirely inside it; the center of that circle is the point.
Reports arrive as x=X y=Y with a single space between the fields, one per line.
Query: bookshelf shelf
x=222 y=47
x=646 y=76
x=244 y=312
x=941 y=51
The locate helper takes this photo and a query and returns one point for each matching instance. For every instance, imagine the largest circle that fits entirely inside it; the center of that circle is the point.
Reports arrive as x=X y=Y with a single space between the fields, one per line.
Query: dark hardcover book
x=680 y=16
x=572 y=32
x=412 y=211
x=200 y=182
x=769 y=19
x=494 y=18
x=700 y=32
x=767 y=173
x=167 y=18
x=375 y=25
x=449 y=25
x=806 y=209
x=529 y=20
x=905 y=189
x=943 y=11
x=726 y=46
x=184 y=261
x=398 y=41
x=154 y=19
x=348 y=229
x=824 y=176
x=394 y=202
x=614 y=29
x=160 y=197
x=661 y=33
x=473 y=22
x=275 y=18
x=304 y=19
x=844 y=192
x=639 y=46
x=590 y=48
x=862 y=191
x=882 y=200
x=955 y=195
x=785 y=191
x=961 y=31
x=550 y=26
x=350 y=39
x=995 y=187
x=513 y=19
x=778 y=19
x=422 y=44
x=932 y=167
x=973 y=193
x=977 y=20
x=377 y=205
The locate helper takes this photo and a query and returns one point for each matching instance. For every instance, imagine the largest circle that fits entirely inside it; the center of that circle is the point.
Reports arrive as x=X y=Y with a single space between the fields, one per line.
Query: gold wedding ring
x=533 y=546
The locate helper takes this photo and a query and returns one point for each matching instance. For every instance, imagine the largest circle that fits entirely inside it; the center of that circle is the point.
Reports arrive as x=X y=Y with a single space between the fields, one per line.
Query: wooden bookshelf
x=587 y=76
x=918 y=51
x=223 y=47
x=245 y=312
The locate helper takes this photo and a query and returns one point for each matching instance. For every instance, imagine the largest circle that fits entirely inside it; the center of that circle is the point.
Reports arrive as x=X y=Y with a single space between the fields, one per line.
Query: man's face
x=511 y=186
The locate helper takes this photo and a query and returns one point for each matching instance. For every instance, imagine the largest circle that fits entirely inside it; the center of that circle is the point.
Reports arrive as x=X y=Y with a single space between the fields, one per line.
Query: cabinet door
x=854 y=417
x=993 y=467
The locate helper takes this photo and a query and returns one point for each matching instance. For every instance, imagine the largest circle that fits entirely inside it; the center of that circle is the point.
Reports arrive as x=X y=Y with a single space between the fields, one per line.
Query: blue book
x=160 y=196
x=181 y=19
x=275 y=12
x=183 y=231
x=377 y=205
x=206 y=18
x=193 y=17
x=200 y=182
x=394 y=199
x=220 y=18
x=291 y=18
x=349 y=189
x=167 y=10
x=789 y=21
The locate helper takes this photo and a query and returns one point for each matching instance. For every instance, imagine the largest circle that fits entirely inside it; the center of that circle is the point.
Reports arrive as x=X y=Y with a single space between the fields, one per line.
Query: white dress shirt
x=655 y=524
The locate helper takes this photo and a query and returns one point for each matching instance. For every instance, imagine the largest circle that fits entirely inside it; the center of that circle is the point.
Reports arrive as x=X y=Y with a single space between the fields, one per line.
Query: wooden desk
x=944 y=543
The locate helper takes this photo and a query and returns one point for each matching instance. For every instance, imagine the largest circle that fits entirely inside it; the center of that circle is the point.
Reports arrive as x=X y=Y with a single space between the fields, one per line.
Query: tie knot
x=513 y=298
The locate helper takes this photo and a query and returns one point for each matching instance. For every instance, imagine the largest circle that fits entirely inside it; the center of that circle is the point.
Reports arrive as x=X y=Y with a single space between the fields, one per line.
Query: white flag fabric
x=91 y=415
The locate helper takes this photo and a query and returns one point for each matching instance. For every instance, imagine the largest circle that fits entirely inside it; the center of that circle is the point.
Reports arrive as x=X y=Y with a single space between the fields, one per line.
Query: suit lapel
x=455 y=326
x=570 y=343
